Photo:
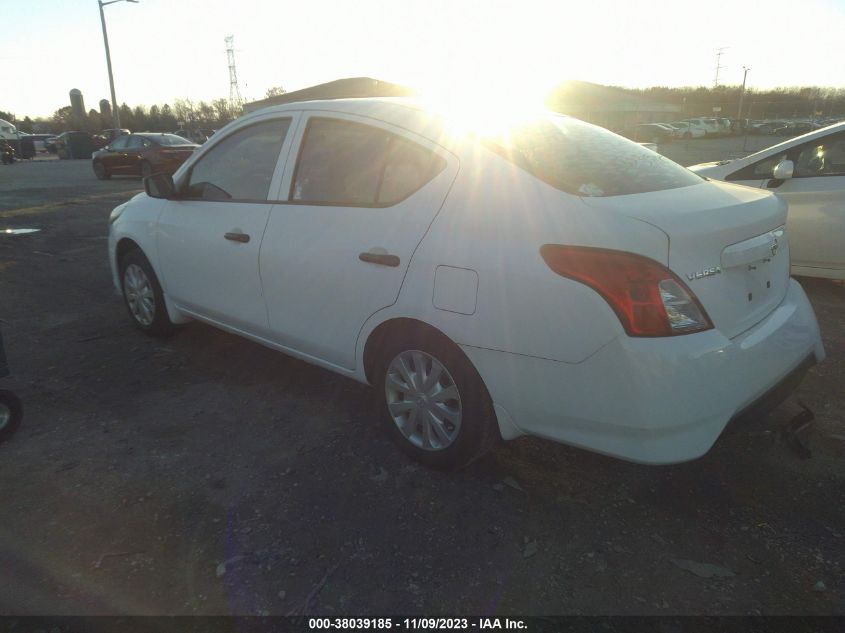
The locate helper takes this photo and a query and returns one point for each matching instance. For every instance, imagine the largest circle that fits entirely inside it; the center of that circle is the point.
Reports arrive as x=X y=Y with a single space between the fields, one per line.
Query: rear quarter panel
x=494 y=222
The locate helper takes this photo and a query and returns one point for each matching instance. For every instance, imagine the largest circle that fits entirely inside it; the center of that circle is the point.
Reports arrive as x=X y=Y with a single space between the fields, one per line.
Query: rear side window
x=172 y=139
x=588 y=161
x=343 y=163
x=241 y=166
x=120 y=142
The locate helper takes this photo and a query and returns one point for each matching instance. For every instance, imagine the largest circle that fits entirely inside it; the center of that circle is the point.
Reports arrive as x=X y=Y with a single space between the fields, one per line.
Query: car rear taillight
x=648 y=298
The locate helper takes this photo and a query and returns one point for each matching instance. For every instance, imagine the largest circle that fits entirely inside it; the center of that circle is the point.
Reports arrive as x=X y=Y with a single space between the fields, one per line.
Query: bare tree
x=222 y=111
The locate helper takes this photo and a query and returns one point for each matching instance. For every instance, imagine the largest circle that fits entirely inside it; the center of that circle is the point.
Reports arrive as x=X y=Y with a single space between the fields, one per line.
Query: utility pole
x=115 y=111
x=745 y=140
x=719 y=52
x=235 y=100
x=742 y=92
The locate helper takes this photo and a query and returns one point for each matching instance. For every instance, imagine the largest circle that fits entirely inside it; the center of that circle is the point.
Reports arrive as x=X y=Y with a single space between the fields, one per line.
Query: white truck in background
x=8 y=131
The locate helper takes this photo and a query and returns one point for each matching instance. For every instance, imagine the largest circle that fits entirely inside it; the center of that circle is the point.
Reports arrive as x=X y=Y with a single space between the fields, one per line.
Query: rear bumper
x=773 y=397
x=656 y=401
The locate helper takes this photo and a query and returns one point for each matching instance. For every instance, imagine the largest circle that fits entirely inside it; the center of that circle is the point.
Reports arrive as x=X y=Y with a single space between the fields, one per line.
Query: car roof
x=405 y=112
x=153 y=134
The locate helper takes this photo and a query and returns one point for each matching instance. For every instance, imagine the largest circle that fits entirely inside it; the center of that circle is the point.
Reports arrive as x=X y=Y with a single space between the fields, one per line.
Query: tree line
x=184 y=114
x=775 y=103
x=786 y=102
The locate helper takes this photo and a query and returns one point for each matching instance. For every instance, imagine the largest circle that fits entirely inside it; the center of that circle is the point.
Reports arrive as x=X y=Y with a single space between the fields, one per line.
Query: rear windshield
x=170 y=139
x=588 y=161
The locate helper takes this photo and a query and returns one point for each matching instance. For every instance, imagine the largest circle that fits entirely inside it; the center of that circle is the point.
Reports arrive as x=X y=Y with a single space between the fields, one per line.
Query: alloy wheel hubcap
x=423 y=400
x=5 y=415
x=139 y=294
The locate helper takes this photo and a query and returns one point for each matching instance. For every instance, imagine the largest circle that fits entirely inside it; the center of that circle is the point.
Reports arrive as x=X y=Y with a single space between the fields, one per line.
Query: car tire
x=146 y=170
x=143 y=296
x=687 y=135
x=411 y=376
x=11 y=414
x=100 y=171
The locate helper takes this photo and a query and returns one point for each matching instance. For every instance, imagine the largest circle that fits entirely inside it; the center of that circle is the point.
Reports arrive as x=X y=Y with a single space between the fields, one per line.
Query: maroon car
x=142 y=155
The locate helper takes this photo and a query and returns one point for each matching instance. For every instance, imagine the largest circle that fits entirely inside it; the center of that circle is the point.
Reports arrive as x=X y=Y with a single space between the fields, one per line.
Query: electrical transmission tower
x=235 y=100
x=719 y=52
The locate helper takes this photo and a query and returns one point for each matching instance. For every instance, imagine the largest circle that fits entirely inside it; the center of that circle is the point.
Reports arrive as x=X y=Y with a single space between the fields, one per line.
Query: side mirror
x=159 y=186
x=783 y=170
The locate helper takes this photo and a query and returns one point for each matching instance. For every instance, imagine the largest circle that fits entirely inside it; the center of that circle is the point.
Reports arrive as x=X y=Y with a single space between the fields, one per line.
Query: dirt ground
x=209 y=475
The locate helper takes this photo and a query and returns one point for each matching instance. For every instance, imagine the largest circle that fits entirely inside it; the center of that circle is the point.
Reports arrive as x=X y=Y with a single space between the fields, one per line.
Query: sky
x=163 y=50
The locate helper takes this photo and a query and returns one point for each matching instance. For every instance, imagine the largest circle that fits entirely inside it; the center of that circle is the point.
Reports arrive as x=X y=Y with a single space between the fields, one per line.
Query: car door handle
x=383 y=259
x=237 y=237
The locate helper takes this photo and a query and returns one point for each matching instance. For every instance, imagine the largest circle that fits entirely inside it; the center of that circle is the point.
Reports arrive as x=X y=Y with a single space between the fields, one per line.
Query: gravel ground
x=209 y=475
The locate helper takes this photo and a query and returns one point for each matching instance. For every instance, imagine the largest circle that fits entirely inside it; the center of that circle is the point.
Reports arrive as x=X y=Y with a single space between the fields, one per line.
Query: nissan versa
x=550 y=279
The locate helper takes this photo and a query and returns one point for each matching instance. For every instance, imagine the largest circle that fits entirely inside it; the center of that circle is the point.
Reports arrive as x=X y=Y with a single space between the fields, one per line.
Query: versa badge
x=707 y=272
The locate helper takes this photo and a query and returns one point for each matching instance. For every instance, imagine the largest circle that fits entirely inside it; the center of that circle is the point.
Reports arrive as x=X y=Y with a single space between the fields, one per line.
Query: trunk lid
x=727 y=242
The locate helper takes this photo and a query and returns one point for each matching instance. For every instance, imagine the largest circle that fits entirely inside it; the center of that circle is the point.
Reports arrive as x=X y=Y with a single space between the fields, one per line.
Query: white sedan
x=686 y=130
x=808 y=172
x=554 y=280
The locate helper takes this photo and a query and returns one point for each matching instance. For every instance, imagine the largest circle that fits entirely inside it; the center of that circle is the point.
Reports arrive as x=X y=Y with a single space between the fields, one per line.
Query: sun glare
x=478 y=108
x=490 y=67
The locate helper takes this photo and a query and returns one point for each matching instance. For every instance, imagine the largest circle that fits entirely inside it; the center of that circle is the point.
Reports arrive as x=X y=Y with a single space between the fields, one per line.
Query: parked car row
x=700 y=127
x=650 y=133
x=685 y=129
x=787 y=128
x=630 y=307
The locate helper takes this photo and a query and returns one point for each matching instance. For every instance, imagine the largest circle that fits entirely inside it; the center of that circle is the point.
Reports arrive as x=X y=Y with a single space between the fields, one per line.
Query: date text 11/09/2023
x=431 y=624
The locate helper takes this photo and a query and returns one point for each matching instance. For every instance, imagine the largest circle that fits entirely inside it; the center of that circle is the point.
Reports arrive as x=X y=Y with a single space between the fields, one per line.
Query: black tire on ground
x=146 y=169
x=160 y=325
x=10 y=406
x=100 y=171
x=478 y=432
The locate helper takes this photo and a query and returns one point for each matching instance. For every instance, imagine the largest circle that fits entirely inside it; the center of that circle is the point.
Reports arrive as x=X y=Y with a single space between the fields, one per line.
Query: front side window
x=760 y=169
x=822 y=157
x=135 y=142
x=586 y=160
x=344 y=163
x=241 y=166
